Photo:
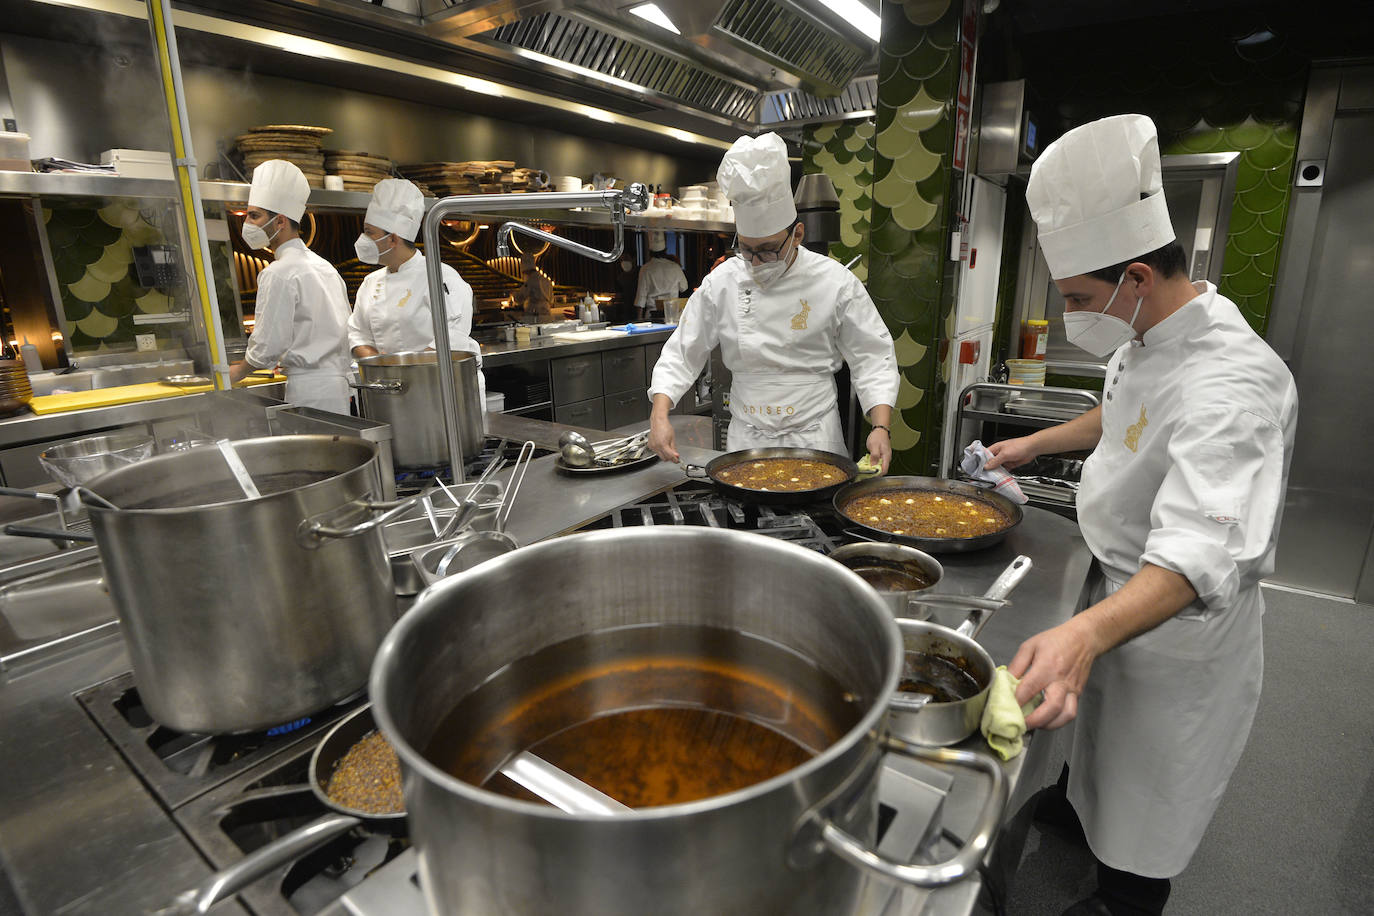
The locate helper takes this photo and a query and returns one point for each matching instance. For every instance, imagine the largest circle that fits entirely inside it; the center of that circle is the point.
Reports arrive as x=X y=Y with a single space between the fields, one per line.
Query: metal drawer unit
x=651 y=354
x=590 y=413
x=627 y=407
x=576 y=378
x=623 y=370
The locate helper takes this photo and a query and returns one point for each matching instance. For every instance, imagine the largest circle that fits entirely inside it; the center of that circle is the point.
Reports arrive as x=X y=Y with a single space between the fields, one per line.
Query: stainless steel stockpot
x=243 y=614
x=797 y=843
x=402 y=389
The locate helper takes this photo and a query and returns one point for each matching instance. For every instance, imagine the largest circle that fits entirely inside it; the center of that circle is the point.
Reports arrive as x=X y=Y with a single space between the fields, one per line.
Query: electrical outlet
x=11 y=125
x=146 y=341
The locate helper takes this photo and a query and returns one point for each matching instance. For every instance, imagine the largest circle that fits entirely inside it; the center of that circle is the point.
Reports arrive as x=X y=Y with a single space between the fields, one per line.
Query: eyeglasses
x=763 y=255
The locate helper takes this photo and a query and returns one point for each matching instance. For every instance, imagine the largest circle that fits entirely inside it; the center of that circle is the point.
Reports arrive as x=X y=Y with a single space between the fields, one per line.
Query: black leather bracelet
x=885 y=429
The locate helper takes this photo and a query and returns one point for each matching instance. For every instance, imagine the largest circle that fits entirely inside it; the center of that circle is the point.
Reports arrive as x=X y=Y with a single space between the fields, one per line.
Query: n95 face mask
x=1097 y=332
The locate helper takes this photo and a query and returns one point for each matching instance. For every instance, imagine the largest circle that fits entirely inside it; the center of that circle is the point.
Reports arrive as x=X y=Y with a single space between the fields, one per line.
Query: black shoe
x=1090 y=906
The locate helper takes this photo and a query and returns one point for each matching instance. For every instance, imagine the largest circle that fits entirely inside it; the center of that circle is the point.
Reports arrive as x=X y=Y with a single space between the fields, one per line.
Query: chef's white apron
x=323 y=389
x=1161 y=725
x=794 y=409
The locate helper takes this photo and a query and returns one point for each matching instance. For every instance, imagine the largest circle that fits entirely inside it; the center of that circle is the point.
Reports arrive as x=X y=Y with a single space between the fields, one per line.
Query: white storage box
x=138 y=163
x=14 y=152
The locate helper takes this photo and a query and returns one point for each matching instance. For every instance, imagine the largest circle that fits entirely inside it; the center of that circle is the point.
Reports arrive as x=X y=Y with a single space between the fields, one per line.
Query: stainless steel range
x=133 y=813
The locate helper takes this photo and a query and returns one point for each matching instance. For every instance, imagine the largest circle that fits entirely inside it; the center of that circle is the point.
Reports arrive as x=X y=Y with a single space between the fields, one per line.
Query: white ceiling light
x=651 y=13
x=858 y=15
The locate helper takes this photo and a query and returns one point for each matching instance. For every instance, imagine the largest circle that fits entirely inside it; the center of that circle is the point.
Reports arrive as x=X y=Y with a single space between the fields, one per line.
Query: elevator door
x=1325 y=541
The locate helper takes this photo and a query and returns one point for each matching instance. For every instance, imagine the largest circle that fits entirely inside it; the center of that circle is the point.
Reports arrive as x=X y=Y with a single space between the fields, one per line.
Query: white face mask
x=765 y=274
x=367 y=250
x=1097 y=332
x=257 y=237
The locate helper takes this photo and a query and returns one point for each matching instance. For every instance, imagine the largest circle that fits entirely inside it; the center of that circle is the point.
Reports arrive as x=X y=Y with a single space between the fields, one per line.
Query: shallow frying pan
x=848 y=470
x=851 y=492
x=339 y=740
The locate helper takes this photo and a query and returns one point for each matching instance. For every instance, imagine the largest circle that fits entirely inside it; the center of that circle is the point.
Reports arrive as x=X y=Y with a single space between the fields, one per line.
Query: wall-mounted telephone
x=157 y=266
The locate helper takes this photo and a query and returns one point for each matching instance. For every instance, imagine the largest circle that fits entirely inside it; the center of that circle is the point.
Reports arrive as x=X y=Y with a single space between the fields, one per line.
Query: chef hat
x=1085 y=195
x=657 y=240
x=280 y=187
x=756 y=178
x=396 y=206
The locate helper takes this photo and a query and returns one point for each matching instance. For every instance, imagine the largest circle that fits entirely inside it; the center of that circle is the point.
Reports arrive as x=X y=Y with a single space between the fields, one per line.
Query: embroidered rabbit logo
x=799 y=319
x=1135 y=429
x=404 y=299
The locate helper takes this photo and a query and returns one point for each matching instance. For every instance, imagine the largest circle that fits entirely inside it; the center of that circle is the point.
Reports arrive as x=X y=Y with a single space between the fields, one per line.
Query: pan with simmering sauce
x=777 y=476
x=935 y=515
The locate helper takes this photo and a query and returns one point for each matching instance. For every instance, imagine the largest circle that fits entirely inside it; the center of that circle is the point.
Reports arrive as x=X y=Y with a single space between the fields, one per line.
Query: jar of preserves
x=1035 y=337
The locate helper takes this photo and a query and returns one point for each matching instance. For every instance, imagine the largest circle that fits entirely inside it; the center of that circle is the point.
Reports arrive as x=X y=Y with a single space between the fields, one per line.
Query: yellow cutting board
x=124 y=394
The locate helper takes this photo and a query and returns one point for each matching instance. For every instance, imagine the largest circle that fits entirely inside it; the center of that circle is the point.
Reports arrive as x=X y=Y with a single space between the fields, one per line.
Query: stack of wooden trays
x=296 y=143
x=15 y=390
x=500 y=176
x=360 y=171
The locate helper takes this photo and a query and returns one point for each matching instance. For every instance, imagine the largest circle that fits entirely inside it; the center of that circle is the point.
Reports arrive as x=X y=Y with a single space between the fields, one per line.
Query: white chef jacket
x=659 y=277
x=1190 y=473
x=301 y=324
x=783 y=345
x=391 y=311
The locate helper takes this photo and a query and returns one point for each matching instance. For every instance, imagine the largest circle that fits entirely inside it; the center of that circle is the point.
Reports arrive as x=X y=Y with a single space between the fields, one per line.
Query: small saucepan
x=340 y=739
x=946 y=675
x=905 y=578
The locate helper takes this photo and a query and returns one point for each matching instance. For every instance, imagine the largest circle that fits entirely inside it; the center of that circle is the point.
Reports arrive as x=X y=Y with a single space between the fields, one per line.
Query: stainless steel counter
x=506 y=353
x=79 y=834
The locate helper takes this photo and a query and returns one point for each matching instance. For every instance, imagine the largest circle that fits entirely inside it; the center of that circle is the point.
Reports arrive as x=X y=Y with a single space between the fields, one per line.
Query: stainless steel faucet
x=633 y=199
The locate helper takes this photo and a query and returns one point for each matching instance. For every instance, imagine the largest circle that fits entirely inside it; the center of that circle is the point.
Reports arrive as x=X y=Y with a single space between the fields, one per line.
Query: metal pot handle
x=233 y=879
x=311 y=532
x=965 y=861
x=389 y=385
x=1011 y=577
x=689 y=468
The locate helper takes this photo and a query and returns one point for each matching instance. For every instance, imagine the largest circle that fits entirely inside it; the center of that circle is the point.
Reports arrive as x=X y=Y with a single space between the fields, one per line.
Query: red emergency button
x=968 y=351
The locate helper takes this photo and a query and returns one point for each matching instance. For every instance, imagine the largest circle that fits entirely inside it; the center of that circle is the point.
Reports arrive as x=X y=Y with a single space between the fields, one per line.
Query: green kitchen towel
x=1003 y=721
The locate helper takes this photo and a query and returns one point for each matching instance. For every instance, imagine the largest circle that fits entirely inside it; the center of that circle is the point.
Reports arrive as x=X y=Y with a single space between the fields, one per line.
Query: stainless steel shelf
x=70 y=184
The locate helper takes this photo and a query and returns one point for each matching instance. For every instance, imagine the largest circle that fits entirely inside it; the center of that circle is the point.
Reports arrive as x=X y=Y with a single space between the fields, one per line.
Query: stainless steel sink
x=53 y=609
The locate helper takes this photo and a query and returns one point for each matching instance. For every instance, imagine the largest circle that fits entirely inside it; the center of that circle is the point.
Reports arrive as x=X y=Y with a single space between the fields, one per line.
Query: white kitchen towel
x=975 y=456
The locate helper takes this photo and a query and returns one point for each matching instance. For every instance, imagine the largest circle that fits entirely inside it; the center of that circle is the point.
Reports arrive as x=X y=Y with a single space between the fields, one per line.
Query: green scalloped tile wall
x=1254 y=238
x=843 y=151
x=92 y=253
x=918 y=70
x=1205 y=95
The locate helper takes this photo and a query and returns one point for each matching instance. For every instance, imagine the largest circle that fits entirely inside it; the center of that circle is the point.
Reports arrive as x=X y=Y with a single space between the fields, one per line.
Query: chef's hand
x=662 y=441
x=1011 y=453
x=1056 y=662
x=880 y=449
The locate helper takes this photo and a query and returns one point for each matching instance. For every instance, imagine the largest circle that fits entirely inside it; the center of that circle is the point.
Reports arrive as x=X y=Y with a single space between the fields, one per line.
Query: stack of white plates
x=1026 y=372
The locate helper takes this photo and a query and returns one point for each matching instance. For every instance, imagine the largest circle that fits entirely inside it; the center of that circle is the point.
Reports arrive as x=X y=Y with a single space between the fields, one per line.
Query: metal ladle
x=576 y=449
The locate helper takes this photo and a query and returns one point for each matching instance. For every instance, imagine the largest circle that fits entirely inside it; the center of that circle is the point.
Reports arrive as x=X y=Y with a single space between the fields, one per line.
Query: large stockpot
x=402 y=389
x=762 y=849
x=242 y=614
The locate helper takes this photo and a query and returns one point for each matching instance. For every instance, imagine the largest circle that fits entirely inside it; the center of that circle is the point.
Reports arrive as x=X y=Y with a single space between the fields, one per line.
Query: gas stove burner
x=814 y=526
x=410 y=481
x=177 y=766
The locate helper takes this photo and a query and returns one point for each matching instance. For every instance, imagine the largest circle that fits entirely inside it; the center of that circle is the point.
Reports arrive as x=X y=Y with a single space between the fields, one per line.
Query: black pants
x=1124 y=893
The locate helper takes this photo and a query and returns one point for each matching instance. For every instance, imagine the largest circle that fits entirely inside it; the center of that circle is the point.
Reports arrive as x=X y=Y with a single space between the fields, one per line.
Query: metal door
x=1325 y=540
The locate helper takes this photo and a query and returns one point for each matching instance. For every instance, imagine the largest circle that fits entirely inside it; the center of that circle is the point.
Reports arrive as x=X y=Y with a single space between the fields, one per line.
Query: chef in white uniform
x=1180 y=504
x=660 y=277
x=301 y=316
x=785 y=318
x=391 y=313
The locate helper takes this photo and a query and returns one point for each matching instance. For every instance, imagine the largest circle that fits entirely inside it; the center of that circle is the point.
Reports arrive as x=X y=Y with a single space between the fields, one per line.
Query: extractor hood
x=723 y=73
